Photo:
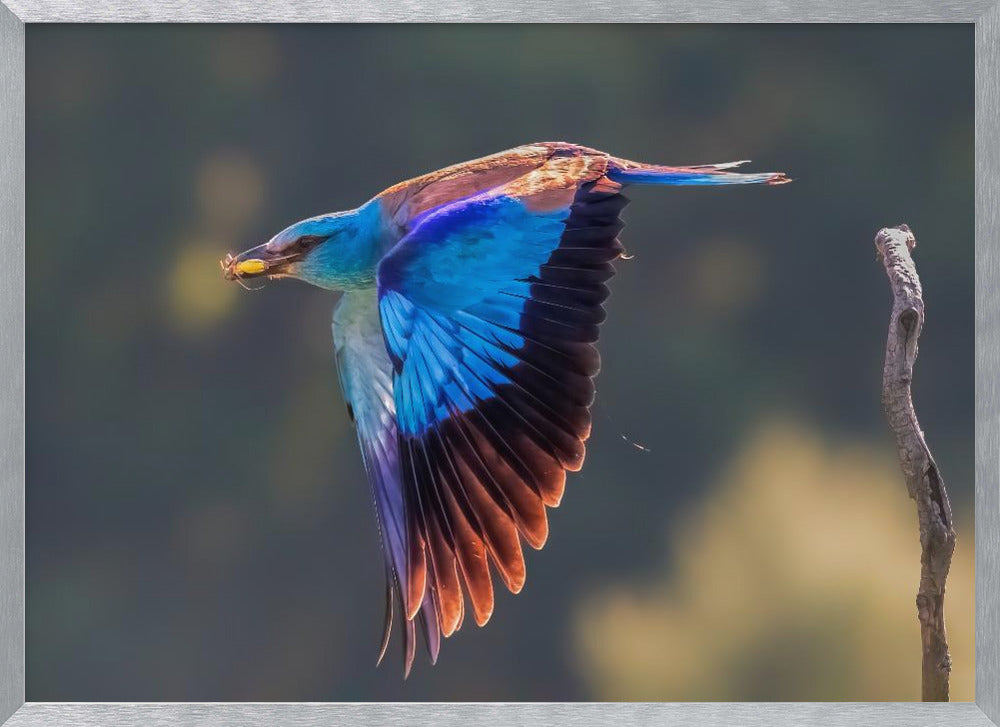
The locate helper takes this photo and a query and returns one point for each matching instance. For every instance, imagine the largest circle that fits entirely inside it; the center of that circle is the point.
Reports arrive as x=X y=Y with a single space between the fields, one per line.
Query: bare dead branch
x=923 y=480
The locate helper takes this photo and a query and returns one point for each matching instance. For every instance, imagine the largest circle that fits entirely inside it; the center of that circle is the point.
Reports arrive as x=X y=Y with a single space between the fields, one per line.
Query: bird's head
x=334 y=251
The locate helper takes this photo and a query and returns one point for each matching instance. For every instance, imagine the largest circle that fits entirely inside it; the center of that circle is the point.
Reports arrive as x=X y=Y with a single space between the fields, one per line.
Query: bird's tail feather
x=626 y=172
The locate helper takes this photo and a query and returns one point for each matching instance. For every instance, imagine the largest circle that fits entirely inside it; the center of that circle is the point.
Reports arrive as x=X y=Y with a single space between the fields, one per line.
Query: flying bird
x=465 y=340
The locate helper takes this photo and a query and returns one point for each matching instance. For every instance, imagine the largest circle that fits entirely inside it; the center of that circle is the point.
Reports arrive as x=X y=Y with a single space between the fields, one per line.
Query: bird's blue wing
x=490 y=309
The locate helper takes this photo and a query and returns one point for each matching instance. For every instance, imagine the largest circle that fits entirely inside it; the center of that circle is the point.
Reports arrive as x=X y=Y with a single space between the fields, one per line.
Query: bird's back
x=407 y=200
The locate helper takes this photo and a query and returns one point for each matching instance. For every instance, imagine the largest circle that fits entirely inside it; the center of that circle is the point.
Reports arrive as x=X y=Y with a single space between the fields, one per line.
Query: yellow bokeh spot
x=794 y=580
x=197 y=297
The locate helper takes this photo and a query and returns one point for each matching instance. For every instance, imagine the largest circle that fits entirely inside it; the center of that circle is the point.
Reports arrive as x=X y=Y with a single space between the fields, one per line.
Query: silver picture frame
x=15 y=14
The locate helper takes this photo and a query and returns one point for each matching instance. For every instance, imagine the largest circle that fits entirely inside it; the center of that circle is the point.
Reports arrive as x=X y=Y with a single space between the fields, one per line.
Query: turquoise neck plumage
x=348 y=259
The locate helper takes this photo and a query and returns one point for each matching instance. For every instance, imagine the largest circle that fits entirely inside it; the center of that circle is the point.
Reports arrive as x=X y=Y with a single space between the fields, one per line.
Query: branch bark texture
x=923 y=480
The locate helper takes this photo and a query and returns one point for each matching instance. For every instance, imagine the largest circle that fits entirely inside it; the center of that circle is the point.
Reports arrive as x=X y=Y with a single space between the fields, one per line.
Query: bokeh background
x=199 y=526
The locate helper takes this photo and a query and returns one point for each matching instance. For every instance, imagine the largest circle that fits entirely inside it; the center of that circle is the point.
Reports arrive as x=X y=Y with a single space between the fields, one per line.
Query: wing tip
x=482 y=617
x=516 y=584
x=386 y=631
x=538 y=537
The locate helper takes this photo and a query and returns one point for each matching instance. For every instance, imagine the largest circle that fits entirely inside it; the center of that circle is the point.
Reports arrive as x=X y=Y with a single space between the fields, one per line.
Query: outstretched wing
x=490 y=309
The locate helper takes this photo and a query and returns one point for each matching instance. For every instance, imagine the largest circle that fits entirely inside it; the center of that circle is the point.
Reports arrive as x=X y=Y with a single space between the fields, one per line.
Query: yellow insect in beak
x=250 y=267
x=258 y=262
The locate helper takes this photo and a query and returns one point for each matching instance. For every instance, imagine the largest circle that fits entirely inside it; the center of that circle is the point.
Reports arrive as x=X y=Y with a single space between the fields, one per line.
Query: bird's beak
x=257 y=262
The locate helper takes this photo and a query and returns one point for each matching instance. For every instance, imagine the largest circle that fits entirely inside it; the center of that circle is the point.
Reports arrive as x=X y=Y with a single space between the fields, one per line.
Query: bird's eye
x=307 y=241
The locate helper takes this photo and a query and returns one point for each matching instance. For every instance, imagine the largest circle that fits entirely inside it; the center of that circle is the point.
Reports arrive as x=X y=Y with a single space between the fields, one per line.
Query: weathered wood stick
x=923 y=480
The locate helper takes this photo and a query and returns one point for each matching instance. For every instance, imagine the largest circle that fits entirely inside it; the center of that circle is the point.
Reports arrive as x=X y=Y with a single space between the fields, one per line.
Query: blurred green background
x=199 y=526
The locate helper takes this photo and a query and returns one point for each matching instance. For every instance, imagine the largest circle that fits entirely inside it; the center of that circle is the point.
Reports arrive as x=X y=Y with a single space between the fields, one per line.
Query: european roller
x=465 y=340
